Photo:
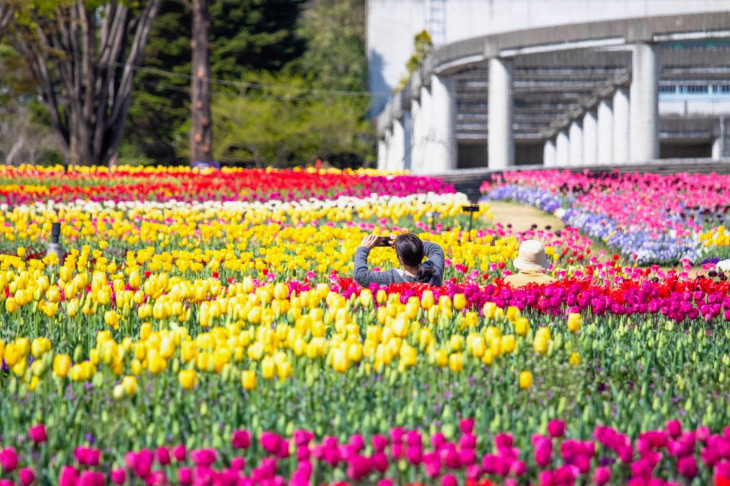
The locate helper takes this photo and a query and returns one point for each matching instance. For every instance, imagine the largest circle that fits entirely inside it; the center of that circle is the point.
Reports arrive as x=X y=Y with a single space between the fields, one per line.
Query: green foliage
x=161 y=102
x=253 y=35
x=248 y=35
x=335 y=34
x=422 y=48
x=282 y=127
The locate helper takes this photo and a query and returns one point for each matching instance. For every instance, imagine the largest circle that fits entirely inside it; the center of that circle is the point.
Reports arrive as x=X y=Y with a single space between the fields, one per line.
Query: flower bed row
x=647 y=217
x=665 y=456
x=29 y=184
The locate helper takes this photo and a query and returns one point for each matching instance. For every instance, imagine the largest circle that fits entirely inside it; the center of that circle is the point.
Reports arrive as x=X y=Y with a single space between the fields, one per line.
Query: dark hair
x=409 y=248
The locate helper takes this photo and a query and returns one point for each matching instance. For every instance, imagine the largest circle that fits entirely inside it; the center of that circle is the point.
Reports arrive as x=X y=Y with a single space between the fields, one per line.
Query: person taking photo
x=410 y=251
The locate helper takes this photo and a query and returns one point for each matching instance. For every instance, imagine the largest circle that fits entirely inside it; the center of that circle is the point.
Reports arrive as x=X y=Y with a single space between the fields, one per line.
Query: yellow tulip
x=248 y=379
x=575 y=321
x=522 y=326
x=129 y=384
x=576 y=359
x=427 y=299
x=268 y=368
x=188 y=379
x=507 y=344
x=456 y=362
x=459 y=301
x=525 y=380
x=456 y=342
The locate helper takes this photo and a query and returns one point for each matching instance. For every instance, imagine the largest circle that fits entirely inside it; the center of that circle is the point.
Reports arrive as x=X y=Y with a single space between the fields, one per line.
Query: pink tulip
x=543 y=452
x=556 y=428
x=437 y=440
x=241 y=439
x=37 y=433
x=379 y=442
x=26 y=476
x=546 y=478
x=163 y=456
x=185 y=476
x=238 y=463
x=503 y=440
x=687 y=467
x=380 y=462
x=449 y=480
x=601 y=475
x=9 y=459
x=385 y=482
x=270 y=442
x=466 y=426
x=69 y=476
x=302 y=437
x=119 y=476
x=180 y=453
x=303 y=453
x=469 y=441
x=674 y=428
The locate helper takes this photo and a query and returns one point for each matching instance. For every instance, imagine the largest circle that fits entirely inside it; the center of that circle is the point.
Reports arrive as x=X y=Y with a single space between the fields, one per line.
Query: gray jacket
x=365 y=277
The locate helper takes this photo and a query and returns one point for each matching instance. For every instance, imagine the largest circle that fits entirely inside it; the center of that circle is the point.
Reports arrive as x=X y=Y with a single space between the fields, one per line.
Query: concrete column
x=576 y=143
x=717 y=148
x=549 y=154
x=605 y=132
x=396 y=151
x=407 y=139
x=644 y=141
x=500 y=146
x=440 y=154
x=382 y=153
x=416 y=137
x=422 y=132
x=621 y=127
x=590 y=138
x=562 y=149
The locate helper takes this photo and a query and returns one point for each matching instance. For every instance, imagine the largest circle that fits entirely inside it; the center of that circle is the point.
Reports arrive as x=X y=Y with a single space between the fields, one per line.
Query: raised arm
x=361 y=274
x=435 y=255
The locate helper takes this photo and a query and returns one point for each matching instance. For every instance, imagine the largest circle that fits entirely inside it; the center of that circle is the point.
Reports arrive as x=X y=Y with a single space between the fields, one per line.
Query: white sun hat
x=531 y=256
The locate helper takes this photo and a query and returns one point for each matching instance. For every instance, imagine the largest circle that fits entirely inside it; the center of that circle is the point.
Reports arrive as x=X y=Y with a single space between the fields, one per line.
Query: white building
x=552 y=82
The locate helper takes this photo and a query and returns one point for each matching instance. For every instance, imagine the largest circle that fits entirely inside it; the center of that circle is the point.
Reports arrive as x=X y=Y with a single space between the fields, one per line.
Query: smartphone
x=384 y=241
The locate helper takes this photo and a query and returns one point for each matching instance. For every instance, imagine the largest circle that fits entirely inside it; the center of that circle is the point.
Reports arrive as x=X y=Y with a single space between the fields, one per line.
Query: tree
x=83 y=55
x=161 y=95
x=335 y=54
x=201 y=134
x=25 y=133
x=245 y=36
x=283 y=121
x=6 y=14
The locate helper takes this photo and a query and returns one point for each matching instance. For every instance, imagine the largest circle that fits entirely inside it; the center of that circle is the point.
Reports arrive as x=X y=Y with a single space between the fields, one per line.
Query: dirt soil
x=522 y=217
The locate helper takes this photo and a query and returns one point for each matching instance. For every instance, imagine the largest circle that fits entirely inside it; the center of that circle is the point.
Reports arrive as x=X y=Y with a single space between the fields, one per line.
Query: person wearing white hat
x=531 y=263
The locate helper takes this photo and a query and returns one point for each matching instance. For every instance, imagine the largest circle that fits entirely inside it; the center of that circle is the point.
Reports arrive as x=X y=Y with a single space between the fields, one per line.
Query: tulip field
x=203 y=328
x=648 y=218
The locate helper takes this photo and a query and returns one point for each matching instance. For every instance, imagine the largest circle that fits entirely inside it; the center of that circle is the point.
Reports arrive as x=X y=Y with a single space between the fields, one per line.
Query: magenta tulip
x=687 y=467
x=26 y=476
x=180 y=453
x=9 y=459
x=601 y=475
x=449 y=480
x=241 y=439
x=69 y=476
x=119 y=476
x=37 y=433
x=556 y=428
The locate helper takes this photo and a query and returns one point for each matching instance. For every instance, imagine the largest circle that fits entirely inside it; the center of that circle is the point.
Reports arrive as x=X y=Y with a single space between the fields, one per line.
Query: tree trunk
x=6 y=13
x=84 y=62
x=201 y=134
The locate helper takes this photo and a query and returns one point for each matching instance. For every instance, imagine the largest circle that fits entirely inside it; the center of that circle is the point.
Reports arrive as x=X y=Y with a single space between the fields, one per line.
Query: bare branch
x=74 y=56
